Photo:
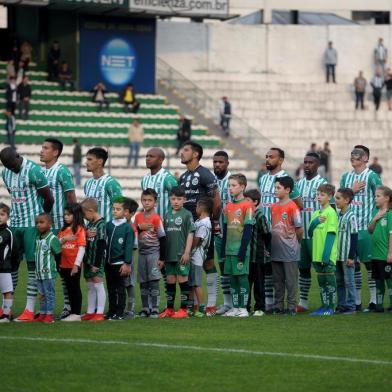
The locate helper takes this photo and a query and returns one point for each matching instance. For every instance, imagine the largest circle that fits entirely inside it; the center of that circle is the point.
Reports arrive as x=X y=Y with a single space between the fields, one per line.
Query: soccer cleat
x=5 y=318
x=154 y=314
x=231 y=313
x=301 y=309
x=278 y=311
x=49 y=319
x=258 y=313
x=1 y=312
x=371 y=308
x=129 y=314
x=198 y=314
x=26 y=316
x=65 y=313
x=349 y=311
x=72 y=317
x=242 y=312
x=327 y=312
x=379 y=310
x=222 y=310
x=143 y=313
x=98 y=317
x=210 y=311
x=87 y=316
x=318 y=312
x=40 y=318
x=167 y=313
x=358 y=308
x=181 y=313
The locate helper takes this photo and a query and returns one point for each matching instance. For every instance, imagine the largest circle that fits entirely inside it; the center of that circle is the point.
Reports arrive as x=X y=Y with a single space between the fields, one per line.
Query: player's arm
x=373 y=222
x=196 y=242
x=162 y=243
x=185 y=257
x=113 y=189
x=38 y=179
x=299 y=230
x=100 y=253
x=70 y=197
x=264 y=232
x=126 y=268
x=56 y=249
x=47 y=198
x=296 y=197
x=246 y=234
x=216 y=205
x=329 y=241
x=314 y=222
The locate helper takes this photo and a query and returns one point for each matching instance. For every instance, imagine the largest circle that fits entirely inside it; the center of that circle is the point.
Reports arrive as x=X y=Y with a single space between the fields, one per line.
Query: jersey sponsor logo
x=178 y=221
x=18 y=200
x=121 y=241
x=388 y=268
x=68 y=246
x=197 y=174
x=187 y=184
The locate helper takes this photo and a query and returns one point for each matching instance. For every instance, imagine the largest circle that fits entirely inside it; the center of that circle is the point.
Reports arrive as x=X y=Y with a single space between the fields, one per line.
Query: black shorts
x=381 y=270
x=211 y=249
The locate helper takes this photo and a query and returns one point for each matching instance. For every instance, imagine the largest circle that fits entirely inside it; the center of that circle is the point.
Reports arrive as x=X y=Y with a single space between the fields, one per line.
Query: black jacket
x=8 y=249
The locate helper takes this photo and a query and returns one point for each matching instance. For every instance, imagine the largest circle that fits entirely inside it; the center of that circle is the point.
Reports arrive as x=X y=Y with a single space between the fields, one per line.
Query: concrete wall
x=293 y=53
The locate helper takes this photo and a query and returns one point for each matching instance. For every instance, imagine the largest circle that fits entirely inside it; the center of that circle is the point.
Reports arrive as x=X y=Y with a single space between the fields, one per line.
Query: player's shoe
x=129 y=314
x=87 y=316
x=167 y=313
x=222 y=310
x=210 y=311
x=198 y=314
x=328 y=312
x=40 y=318
x=358 y=308
x=49 y=319
x=181 y=313
x=26 y=316
x=154 y=314
x=258 y=313
x=143 y=313
x=65 y=313
x=317 y=312
x=72 y=317
x=98 y=317
x=231 y=313
x=242 y=312
x=5 y=318
x=301 y=309
x=1 y=312
x=371 y=308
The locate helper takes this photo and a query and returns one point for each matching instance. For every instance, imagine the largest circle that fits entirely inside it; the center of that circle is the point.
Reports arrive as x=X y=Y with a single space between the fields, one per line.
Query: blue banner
x=117 y=52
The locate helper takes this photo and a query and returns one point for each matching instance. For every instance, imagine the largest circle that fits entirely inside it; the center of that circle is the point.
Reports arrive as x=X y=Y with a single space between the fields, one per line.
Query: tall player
x=199 y=182
x=364 y=183
x=63 y=190
x=30 y=196
x=222 y=174
x=307 y=187
x=101 y=186
x=273 y=162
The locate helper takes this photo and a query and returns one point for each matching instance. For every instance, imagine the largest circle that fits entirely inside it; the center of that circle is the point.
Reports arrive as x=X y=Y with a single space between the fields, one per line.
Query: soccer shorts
x=25 y=240
x=177 y=269
x=381 y=270
x=147 y=268
x=195 y=275
x=324 y=268
x=130 y=279
x=364 y=246
x=306 y=254
x=6 y=283
x=218 y=248
x=88 y=273
x=235 y=267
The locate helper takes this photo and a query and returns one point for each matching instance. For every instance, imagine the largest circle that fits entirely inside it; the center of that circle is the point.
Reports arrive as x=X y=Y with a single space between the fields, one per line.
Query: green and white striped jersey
x=347 y=226
x=60 y=181
x=267 y=190
x=364 y=200
x=105 y=189
x=223 y=185
x=26 y=204
x=46 y=248
x=308 y=191
x=162 y=182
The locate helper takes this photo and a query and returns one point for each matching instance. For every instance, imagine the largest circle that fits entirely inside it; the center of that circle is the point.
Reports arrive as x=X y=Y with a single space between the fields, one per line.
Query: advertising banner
x=117 y=52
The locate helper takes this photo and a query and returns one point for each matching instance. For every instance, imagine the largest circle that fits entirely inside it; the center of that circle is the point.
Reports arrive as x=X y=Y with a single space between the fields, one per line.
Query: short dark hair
x=240 y=178
x=150 y=192
x=56 y=143
x=196 y=147
x=286 y=182
x=206 y=204
x=253 y=194
x=99 y=152
x=177 y=191
x=221 y=153
x=4 y=207
x=329 y=189
x=347 y=193
x=279 y=150
x=313 y=155
x=130 y=205
x=364 y=148
x=47 y=216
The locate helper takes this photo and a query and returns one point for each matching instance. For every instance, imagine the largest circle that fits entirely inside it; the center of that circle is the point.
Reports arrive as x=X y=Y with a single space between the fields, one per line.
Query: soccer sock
x=15 y=279
x=225 y=285
x=212 y=286
x=144 y=294
x=389 y=286
x=330 y=285
x=269 y=289
x=171 y=295
x=243 y=282
x=234 y=290
x=67 y=305
x=154 y=293
x=91 y=298
x=380 y=287
x=31 y=291
x=323 y=293
x=131 y=298
x=358 y=283
x=7 y=305
x=101 y=297
x=305 y=282
x=372 y=287
x=184 y=288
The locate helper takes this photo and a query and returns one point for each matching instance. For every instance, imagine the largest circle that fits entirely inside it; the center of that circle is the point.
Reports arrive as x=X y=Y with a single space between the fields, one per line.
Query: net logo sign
x=118 y=62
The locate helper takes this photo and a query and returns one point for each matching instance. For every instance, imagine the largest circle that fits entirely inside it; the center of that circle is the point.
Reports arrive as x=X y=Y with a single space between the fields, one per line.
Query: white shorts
x=6 y=285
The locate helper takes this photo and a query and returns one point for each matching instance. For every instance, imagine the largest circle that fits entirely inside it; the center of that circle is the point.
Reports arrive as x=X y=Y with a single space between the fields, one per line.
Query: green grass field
x=271 y=353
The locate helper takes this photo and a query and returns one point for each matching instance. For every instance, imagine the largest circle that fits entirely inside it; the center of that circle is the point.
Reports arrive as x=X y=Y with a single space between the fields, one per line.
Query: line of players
x=34 y=190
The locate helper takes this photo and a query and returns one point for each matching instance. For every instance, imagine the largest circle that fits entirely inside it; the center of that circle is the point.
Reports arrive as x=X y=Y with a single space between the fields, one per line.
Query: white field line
x=204 y=349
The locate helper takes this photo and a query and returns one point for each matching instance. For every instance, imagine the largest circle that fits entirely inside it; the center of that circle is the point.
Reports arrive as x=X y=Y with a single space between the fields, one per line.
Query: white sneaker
x=222 y=310
x=231 y=313
x=242 y=312
x=5 y=319
x=258 y=313
x=72 y=317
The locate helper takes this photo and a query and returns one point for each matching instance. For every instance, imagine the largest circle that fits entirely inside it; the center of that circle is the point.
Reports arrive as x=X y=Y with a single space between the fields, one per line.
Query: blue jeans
x=46 y=289
x=345 y=285
x=76 y=167
x=134 y=149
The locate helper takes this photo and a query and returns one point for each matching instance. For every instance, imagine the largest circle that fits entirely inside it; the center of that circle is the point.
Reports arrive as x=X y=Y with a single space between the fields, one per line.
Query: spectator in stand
x=99 y=96
x=26 y=54
x=135 y=138
x=11 y=95
x=388 y=86
x=313 y=148
x=54 y=61
x=225 y=115
x=76 y=160
x=128 y=99
x=325 y=157
x=20 y=73
x=24 y=96
x=10 y=128
x=380 y=55
x=330 y=61
x=360 y=89
x=184 y=132
x=65 y=77
x=11 y=71
x=375 y=166
x=15 y=56
x=377 y=84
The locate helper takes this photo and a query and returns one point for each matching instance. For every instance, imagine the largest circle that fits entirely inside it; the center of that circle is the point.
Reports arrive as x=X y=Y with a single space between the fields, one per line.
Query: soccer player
x=198 y=183
x=179 y=229
x=63 y=190
x=222 y=174
x=323 y=230
x=102 y=187
x=30 y=196
x=47 y=261
x=364 y=183
x=237 y=234
x=273 y=162
x=307 y=188
x=159 y=179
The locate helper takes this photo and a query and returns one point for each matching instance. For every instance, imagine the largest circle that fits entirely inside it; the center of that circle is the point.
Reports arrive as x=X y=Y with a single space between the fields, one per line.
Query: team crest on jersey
x=284 y=215
x=182 y=267
x=189 y=178
x=187 y=184
x=238 y=212
x=195 y=181
x=121 y=241
x=45 y=247
x=178 y=221
x=388 y=268
x=240 y=266
x=383 y=222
